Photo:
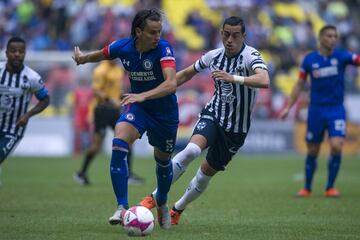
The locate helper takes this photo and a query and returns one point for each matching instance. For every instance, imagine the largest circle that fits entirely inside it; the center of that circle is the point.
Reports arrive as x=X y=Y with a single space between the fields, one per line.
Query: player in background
x=326 y=67
x=18 y=83
x=237 y=70
x=106 y=109
x=151 y=107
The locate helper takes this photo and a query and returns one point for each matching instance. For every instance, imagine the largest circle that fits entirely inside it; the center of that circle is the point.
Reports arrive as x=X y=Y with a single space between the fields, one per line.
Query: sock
x=87 y=160
x=119 y=171
x=129 y=161
x=310 y=168
x=196 y=187
x=333 y=168
x=182 y=160
x=164 y=174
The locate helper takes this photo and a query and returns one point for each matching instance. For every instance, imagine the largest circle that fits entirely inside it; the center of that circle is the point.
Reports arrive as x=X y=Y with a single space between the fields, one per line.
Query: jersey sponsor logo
x=147 y=64
x=142 y=76
x=130 y=117
x=227 y=90
x=6 y=102
x=325 y=72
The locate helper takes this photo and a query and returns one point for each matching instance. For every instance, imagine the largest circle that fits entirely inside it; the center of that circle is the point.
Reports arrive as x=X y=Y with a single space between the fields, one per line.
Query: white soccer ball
x=138 y=221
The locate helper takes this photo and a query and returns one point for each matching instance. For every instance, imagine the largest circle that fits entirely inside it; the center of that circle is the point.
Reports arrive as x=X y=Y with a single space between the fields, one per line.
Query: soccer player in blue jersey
x=151 y=106
x=326 y=67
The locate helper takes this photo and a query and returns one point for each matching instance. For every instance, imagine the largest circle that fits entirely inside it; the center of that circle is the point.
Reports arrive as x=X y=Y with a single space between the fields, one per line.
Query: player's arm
x=165 y=88
x=81 y=58
x=44 y=101
x=259 y=80
x=297 y=89
x=185 y=75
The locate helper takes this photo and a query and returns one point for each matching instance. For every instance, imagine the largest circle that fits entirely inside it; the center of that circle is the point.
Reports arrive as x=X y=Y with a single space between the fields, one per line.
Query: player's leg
x=96 y=142
x=314 y=137
x=219 y=155
x=125 y=135
x=337 y=133
x=196 y=187
x=197 y=144
x=334 y=163
x=100 y=123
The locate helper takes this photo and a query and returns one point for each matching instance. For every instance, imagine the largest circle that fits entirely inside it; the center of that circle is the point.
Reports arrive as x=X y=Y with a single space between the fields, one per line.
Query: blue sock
x=333 y=168
x=164 y=175
x=119 y=171
x=310 y=168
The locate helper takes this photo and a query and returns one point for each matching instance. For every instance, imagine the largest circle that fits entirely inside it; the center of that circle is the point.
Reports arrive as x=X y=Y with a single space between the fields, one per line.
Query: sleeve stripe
x=356 y=59
x=202 y=65
x=168 y=63
x=106 y=52
x=167 y=58
x=302 y=75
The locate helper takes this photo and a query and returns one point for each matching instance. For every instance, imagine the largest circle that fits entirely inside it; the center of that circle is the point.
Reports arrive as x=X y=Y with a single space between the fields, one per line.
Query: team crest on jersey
x=130 y=117
x=334 y=61
x=201 y=125
x=147 y=64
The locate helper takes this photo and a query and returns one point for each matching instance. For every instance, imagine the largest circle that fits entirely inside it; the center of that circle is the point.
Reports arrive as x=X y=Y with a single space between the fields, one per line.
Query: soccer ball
x=138 y=221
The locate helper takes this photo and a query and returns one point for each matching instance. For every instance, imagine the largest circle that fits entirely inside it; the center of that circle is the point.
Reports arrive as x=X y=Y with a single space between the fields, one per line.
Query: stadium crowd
x=282 y=30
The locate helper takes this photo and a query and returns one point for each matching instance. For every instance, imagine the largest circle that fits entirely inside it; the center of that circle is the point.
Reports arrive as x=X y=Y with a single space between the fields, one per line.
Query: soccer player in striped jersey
x=326 y=67
x=18 y=83
x=151 y=107
x=237 y=70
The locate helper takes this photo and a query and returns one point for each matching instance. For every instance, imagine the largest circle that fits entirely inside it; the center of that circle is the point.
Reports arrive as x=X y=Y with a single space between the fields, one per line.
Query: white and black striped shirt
x=232 y=104
x=16 y=90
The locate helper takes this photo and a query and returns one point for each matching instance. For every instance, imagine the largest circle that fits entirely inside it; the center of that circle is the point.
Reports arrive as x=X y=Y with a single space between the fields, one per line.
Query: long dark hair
x=140 y=19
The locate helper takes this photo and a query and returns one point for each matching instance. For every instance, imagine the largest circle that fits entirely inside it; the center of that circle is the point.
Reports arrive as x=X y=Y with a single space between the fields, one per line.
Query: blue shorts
x=160 y=130
x=321 y=118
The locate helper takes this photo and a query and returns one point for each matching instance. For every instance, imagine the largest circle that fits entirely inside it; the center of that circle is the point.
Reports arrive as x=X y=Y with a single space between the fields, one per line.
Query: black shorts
x=222 y=145
x=8 y=142
x=105 y=115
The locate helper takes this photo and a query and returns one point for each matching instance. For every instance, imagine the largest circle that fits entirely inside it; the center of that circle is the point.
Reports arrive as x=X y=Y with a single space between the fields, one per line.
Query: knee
x=192 y=150
x=336 y=150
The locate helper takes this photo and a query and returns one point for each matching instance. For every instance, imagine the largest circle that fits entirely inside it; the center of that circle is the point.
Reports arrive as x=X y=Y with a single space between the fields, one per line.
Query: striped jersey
x=232 y=104
x=16 y=90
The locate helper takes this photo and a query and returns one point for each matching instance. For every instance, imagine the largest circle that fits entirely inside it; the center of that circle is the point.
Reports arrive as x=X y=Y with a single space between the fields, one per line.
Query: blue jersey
x=327 y=76
x=145 y=73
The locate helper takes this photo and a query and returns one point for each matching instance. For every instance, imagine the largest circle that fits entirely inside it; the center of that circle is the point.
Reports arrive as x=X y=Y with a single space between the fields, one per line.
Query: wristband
x=239 y=79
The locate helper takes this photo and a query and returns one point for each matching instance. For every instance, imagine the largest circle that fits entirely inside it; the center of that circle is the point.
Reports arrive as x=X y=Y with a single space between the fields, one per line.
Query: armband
x=239 y=79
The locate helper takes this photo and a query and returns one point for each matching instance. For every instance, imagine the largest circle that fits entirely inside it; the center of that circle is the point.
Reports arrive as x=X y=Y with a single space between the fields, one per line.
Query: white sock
x=182 y=160
x=196 y=187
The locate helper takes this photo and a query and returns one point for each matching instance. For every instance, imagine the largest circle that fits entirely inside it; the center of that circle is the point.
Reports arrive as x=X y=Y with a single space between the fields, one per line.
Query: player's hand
x=222 y=75
x=22 y=121
x=284 y=113
x=131 y=98
x=78 y=56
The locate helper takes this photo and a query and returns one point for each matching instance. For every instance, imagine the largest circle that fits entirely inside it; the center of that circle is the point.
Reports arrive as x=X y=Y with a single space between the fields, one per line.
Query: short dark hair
x=15 y=39
x=140 y=19
x=233 y=21
x=325 y=28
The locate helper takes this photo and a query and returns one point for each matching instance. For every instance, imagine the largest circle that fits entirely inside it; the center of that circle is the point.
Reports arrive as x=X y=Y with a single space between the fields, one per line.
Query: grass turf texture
x=252 y=199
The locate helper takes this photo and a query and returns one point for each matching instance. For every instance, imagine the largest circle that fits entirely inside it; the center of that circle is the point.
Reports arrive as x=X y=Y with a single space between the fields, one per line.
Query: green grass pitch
x=252 y=199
